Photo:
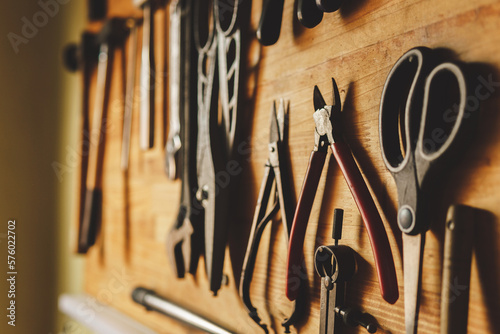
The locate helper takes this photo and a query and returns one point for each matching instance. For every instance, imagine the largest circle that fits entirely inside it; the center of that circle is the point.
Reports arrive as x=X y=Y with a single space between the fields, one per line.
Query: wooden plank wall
x=357 y=46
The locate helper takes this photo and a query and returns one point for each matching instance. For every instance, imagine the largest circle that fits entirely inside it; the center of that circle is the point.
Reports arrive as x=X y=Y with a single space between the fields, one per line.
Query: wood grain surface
x=357 y=46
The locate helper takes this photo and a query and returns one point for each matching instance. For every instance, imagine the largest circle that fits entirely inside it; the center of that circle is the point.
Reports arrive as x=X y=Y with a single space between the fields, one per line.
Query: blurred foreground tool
x=458 y=244
x=112 y=35
x=83 y=57
x=107 y=320
x=218 y=42
x=276 y=174
x=328 y=133
x=269 y=27
x=336 y=265
x=152 y=301
x=185 y=239
x=147 y=75
x=419 y=90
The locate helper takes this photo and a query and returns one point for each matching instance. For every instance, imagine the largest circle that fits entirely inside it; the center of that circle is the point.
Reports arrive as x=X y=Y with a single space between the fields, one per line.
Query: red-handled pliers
x=326 y=119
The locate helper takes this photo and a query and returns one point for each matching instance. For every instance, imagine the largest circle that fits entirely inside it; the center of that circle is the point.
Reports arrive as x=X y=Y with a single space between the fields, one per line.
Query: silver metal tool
x=152 y=301
x=218 y=42
x=185 y=239
x=458 y=244
x=129 y=94
x=175 y=91
x=147 y=76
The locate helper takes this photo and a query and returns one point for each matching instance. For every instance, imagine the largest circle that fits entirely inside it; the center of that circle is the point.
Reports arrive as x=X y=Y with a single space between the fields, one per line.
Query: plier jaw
x=325 y=117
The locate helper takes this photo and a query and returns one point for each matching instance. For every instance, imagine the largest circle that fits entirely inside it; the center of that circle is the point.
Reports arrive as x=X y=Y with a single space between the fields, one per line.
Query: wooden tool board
x=356 y=45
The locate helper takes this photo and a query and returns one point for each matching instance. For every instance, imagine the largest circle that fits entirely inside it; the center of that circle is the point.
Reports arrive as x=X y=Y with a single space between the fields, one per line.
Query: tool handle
x=376 y=232
x=458 y=243
x=328 y=6
x=308 y=13
x=300 y=219
x=90 y=220
x=269 y=27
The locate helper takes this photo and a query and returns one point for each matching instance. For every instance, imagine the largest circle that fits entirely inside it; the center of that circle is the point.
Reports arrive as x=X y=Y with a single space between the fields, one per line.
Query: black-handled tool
x=111 y=35
x=269 y=27
x=328 y=6
x=308 y=13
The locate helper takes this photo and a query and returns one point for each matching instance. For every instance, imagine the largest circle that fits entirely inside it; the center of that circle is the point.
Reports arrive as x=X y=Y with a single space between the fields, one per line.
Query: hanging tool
x=228 y=35
x=218 y=41
x=83 y=57
x=417 y=141
x=310 y=12
x=185 y=239
x=147 y=75
x=129 y=93
x=152 y=301
x=269 y=27
x=458 y=244
x=178 y=38
x=336 y=266
x=111 y=35
x=275 y=174
x=328 y=133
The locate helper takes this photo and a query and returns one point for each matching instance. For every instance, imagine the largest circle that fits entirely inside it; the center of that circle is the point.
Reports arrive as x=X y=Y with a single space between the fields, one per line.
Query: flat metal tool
x=129 y=94
x=218 y=41
x=328 y=134
x=275 y=174
x=152 y=301
x=147 y=75
x=185 y=239
x=417 y=144
x=458 y=245
x=112 y=34
x=178 y=38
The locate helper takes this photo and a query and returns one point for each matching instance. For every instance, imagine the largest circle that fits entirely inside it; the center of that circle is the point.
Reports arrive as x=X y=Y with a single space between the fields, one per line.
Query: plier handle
x=327 y=134
x=275 y=173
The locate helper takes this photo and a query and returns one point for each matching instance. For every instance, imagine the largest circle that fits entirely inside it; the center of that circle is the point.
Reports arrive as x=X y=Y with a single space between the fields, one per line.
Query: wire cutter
x=275 y=173
x=328 y=133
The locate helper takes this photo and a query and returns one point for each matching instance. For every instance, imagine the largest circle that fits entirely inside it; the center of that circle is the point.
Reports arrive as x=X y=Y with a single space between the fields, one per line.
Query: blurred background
x=39 y=121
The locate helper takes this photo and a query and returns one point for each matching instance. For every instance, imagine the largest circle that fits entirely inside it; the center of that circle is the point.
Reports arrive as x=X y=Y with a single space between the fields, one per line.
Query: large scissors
x=424 y=120
x=218 y=42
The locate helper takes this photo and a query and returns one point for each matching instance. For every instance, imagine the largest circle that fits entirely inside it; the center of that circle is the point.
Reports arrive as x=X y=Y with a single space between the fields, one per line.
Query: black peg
x=338 y=217
x=354 y=317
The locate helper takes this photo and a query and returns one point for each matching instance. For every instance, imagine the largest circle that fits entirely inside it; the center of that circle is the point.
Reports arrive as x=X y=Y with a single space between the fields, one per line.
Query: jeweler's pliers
x=275 y=173
x=326 y=118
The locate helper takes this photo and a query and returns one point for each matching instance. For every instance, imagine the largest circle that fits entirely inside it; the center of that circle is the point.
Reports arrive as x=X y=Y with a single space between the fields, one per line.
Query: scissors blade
x=413 y=246
x=319 y=101
x=274 y=132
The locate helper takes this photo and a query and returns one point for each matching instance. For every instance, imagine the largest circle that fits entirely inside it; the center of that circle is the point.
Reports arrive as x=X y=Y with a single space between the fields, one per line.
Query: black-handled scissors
x=424 y=121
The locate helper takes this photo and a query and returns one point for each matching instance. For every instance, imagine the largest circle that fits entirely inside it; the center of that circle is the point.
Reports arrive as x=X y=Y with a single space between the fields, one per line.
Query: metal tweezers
x=274 y=174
